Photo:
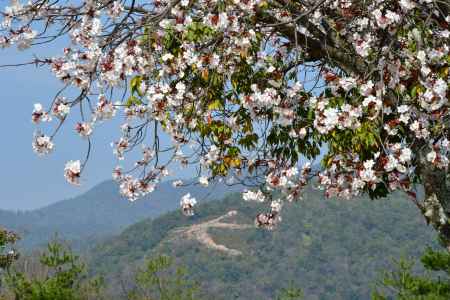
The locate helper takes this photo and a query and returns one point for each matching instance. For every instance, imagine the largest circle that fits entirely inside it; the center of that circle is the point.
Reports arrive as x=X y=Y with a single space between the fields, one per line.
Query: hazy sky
x=26 y=180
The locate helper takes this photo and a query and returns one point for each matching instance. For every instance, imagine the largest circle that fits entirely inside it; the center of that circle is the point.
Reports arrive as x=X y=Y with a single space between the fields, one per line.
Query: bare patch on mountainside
x=199 y=232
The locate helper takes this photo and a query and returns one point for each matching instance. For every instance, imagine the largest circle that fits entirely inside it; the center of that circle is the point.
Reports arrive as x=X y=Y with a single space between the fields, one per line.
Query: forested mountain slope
x=333 y=249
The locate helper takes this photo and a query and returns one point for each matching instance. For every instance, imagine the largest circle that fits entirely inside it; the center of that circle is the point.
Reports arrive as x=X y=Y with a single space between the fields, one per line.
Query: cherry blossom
x=72 y=171
x=187 y=204
x=60 y=108
x=350 y=96
x=203 y=180
x=83 y=129
x=39 y=114
x=177 y=183
x=270 y=220
x=253 y=196
x=42 y=144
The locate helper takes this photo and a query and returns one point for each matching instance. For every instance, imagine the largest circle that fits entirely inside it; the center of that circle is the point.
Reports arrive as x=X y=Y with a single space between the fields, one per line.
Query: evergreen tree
x=65 y=278
x=159 y=280
x=405 y=285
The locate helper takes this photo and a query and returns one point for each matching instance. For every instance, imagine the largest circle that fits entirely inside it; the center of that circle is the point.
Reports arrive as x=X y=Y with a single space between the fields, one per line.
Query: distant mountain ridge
x=100 y=212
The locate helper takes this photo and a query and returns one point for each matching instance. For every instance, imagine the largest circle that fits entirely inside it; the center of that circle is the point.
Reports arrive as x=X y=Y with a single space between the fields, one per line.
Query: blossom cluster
x=251 y=88
x=271 y=219
x=187 y=204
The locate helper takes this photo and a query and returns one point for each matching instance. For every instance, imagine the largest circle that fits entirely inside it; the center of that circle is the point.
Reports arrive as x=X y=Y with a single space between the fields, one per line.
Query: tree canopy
x=254 y=91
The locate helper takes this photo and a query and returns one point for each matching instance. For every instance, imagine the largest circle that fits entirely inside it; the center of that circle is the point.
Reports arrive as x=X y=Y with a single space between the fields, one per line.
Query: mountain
x=332 y=249
x=100 y=212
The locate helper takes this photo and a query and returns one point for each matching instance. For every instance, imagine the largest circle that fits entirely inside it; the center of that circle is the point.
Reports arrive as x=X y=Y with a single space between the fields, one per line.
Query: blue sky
x=28 y=181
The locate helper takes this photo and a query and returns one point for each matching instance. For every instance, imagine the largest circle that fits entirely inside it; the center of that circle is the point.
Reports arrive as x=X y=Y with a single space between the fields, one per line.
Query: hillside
x=332 y=249
x=99 y=212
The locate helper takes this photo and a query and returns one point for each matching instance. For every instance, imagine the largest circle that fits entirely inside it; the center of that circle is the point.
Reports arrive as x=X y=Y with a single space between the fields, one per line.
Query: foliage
x=333 y=250
x=64 y=278
x=255 y=90
x=405 y=284
x=290 y=293
x=153 y=282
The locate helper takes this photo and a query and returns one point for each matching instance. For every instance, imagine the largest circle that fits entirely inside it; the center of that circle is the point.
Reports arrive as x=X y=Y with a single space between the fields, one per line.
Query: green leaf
x=133 y=100
x=215 y=105
x=135 y=85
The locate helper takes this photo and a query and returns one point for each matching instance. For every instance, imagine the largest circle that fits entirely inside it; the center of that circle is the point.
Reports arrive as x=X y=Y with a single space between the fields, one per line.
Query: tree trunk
x=436 y=208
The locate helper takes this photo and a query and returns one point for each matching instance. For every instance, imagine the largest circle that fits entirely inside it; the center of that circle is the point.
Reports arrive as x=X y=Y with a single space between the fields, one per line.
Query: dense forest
x=331 y=249
x=325 y=248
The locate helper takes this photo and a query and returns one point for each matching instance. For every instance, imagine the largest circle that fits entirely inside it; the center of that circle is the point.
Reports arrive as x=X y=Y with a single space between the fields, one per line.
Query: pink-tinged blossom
x=367 y=88
x=386 y=19
x=261 y=99
x=438 y=159
x=42 y=144
x=435 y=96
x=120 y=147
x=132 y=188
x=276 y=205
x=368 y=173
x=271 y=219
x=177 y=183
x=115 y=9
x=60 y=108
x=187 y=204
x=347 y=83
x=363 y=44
x=105 y=109
x=83 y=129
x=117 y=174
x=147 y=154
x=39 y=115
x=72 y=172
x=431 y=156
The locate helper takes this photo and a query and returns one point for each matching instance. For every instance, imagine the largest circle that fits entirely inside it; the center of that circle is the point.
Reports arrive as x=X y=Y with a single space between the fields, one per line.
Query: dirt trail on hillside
x=199 y=232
